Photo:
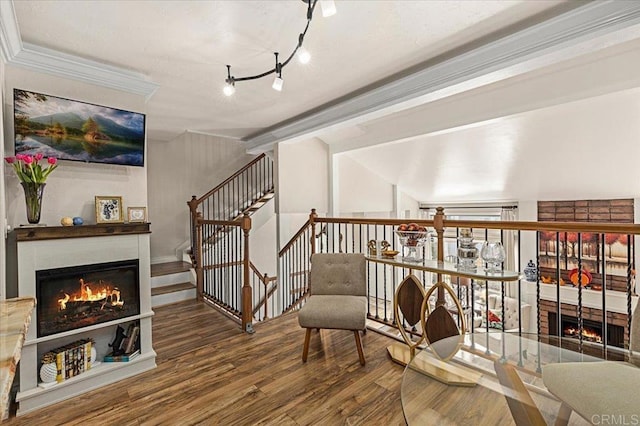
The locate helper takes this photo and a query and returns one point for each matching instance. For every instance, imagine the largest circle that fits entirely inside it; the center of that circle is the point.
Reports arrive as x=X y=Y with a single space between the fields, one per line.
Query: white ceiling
x=184 y=47
x=585 y=149
x=567 y=129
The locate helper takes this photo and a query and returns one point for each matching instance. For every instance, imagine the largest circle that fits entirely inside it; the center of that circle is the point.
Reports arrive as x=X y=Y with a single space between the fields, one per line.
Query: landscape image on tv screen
x=79 y=131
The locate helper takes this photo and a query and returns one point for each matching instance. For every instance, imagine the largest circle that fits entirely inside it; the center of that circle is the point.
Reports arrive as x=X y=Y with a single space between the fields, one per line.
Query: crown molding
x=10 y=40
x=540 y=45
x=50 y=61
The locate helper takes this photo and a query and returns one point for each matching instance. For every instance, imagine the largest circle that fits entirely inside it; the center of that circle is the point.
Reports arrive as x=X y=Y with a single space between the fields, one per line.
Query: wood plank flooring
x=209 y=373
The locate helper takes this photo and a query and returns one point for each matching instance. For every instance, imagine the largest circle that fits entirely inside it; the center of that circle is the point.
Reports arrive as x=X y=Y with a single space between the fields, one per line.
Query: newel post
x=247 y=295
x=193 y=208
x=265 y=281
x=312 y=222
x=197 y=253
x=438 y=224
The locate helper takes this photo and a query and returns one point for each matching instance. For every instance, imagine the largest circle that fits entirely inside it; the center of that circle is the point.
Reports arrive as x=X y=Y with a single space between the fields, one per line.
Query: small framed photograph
x=109 y=209
x=136 y=214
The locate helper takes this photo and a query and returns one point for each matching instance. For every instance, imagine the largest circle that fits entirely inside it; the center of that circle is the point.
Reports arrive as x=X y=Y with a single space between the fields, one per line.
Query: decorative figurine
x=531 y=271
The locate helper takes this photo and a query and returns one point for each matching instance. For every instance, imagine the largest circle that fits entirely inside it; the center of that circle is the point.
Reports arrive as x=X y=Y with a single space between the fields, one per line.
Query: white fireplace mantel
x=616 y=301
x=58 y=247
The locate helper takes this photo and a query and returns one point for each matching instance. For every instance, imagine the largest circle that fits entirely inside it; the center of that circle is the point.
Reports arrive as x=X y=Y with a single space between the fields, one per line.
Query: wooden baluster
x=247 y=295
x=438 y=223
x=193 y=208
x=265 y=281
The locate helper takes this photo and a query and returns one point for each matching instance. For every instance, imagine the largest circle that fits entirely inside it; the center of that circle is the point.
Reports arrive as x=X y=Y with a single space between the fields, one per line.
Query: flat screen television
x=77 y=131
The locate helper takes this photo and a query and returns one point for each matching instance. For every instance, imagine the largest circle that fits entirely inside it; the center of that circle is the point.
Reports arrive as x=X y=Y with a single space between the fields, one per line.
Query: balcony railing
x=603 y=294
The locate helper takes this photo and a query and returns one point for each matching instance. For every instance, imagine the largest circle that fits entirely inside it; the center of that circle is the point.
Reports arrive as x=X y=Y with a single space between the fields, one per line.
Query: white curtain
x=509 y=214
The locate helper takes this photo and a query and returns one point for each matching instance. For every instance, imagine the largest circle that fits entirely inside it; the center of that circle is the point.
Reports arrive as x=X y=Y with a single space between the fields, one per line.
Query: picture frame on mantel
x=136 y=214
x=109 y=209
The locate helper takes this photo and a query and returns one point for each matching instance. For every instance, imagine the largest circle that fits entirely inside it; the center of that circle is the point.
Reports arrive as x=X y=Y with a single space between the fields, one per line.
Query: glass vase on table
x=493 y=254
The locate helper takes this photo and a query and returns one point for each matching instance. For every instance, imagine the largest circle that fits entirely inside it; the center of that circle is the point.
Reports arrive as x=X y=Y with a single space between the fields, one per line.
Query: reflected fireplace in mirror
x=81 y=296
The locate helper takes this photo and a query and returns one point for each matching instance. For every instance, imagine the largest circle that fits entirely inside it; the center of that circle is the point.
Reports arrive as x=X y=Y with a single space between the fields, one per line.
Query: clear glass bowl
x=493 y=254
x=412 y=241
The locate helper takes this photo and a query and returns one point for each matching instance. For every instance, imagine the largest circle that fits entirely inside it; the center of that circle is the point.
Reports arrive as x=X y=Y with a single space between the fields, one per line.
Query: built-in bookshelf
x=58 y=247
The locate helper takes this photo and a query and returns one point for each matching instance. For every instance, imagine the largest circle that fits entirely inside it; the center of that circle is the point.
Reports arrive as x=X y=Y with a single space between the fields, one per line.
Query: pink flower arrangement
x=28 y=168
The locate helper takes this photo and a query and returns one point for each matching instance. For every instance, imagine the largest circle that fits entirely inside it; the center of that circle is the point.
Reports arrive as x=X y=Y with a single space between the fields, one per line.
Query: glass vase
x=493 y=254
x=33 y=200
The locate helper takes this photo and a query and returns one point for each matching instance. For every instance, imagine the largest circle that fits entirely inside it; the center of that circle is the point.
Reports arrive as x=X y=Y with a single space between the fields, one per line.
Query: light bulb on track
x=303 y=55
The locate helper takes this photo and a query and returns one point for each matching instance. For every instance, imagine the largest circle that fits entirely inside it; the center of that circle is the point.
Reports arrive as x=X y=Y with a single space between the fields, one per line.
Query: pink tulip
x=52 y=160
x=27 y=159
x=39 y=156
x=20 y=157
x=10 y=160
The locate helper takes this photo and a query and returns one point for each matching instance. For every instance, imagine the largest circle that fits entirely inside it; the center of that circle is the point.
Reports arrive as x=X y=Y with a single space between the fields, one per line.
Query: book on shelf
x=129 y=343
x=122 y=358
x=72 y=359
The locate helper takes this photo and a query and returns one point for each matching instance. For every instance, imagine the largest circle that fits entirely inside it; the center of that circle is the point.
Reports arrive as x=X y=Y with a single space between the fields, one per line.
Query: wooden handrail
x=294 y=238
x=237 y=222
x=593 y=227
x=222 y=265
x=229 y=179
x=364 y=221
x=302 y=297
x=265 y=299
x=265 y=279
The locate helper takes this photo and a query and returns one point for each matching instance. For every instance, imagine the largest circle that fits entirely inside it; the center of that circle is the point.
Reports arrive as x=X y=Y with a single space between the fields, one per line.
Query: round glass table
x=486 y=379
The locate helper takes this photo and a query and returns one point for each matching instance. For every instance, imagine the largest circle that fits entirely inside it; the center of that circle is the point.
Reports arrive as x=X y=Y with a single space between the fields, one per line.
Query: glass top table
x=465 y=379
x=446 y=268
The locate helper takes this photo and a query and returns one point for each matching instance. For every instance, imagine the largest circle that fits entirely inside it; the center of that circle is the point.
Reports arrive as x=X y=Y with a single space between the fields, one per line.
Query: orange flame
x=90 y=292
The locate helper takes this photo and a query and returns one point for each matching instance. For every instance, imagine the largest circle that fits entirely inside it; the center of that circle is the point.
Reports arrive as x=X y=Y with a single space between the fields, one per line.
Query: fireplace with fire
x=80 y=296
x=591 y=330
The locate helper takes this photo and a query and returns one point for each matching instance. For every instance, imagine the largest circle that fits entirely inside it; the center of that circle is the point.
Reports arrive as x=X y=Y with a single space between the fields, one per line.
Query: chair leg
x=359 y=346
x=305 y=349
x=563 y=415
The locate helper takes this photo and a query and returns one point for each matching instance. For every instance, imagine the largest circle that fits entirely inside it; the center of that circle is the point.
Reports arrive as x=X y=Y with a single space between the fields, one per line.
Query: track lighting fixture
x=303 y=55
x=229 y=87
x=328 y=9
x=278 y=81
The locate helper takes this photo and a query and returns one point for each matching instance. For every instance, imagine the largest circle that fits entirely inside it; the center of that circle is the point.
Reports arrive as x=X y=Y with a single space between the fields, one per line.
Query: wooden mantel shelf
x=15 y=316
x=58 y=232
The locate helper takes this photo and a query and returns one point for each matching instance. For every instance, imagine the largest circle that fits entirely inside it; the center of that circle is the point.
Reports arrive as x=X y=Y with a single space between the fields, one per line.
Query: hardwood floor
x=209 y=373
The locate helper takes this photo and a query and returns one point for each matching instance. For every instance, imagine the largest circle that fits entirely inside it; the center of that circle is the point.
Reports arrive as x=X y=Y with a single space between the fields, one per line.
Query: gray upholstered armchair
x=337 y=296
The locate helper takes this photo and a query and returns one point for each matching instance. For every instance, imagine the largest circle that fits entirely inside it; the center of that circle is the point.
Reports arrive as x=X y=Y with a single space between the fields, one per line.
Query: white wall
x=407 y=204
x=360 y=189
x=263 y=249
x=3 y=224
x=71 y=189
x=301 y=184
x=191 y=164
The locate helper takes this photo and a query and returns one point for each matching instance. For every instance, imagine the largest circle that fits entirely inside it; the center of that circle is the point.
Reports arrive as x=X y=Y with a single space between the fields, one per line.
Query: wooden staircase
x=171 y=282
x=220 y=232
x=219 y=237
